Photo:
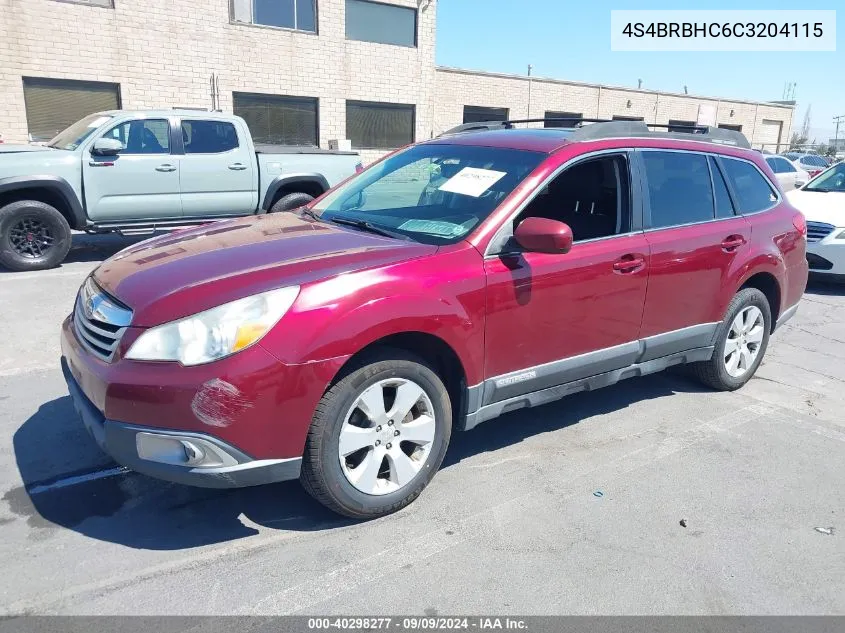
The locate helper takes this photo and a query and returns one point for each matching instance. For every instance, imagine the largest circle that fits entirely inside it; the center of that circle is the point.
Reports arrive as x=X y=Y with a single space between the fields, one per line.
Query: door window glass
x=208 y=137
x=142 y=136
x=679 y=189
x=753 y=191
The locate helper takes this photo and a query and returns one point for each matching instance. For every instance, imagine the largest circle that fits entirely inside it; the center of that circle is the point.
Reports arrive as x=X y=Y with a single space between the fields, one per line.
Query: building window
x=382 y=23
x=286 y=14
x=277 y=119
x=379 y=125
x=562 y=115
x=54 y=104
x=480 y=114
x=735 y=128
x=620 y=117
x=676 y=125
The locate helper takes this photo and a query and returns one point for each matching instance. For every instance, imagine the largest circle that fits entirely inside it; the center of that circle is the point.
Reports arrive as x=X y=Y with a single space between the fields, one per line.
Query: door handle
x=628 y=264
x=237 y=166
x=732 y=242
x=166 y=167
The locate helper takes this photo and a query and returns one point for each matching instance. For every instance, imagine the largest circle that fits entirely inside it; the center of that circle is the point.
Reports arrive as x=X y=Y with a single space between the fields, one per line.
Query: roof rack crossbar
x=597 y=129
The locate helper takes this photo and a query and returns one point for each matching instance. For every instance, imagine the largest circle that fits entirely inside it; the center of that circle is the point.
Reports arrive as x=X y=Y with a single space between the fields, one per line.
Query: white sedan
x=822 y=201
x=788 y=175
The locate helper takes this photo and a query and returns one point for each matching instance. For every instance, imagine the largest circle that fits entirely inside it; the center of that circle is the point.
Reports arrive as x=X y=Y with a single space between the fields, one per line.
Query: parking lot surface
x=571 y=508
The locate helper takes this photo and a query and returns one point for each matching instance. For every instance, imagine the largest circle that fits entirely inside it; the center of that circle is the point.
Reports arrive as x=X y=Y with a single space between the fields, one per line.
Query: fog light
x=191 y=452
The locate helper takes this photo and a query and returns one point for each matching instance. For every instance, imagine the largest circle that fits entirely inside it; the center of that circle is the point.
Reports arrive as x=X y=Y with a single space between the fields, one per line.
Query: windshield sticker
x=99 y=121
x=434 y=227
x=471 y=181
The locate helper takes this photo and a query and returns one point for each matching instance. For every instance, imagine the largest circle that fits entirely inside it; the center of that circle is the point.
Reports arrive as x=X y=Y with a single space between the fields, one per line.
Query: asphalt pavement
x=571 y=508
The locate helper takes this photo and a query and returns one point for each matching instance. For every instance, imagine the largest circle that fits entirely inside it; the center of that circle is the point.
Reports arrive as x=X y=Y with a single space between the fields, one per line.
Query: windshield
x=432 y=193
x=832 y=180
x=72 y=137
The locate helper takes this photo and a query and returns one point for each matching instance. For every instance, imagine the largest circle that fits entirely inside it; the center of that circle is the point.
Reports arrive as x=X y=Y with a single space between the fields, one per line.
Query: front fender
x=56 y=184
x=291 y=179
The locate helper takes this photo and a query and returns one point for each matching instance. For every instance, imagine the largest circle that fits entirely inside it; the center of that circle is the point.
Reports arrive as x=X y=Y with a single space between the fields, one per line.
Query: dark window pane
x=55 y=104
x=726 y=126
x=208 y=137
x=276 y=119
x=724 y=206
x=305 y=15
x=379 y=125
x=148 y=136
x=274 y=13
x=752 y=190
x=562 y=115
x=774 y=163
x=678 y=188
x=479 y=114
x=785 y=166
x=681 y=126
x=619 y=117
x=383 y=23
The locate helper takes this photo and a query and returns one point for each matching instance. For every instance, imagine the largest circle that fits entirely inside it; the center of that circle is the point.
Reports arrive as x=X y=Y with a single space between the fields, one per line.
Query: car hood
x=14 y=149
x=818 y=206
x=182 y=273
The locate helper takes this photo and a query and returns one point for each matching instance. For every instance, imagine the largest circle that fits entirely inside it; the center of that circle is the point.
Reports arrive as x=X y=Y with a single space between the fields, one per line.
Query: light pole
x=837 y=119
x=529 y=91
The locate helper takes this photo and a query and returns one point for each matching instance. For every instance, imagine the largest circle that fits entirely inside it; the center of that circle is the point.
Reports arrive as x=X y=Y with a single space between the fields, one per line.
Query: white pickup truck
x=137 y=171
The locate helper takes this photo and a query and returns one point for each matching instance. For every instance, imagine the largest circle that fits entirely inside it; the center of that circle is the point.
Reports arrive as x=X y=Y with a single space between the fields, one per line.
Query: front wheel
x=378 y=437
x=33 y=236
x=741 y=342
x=290 y=202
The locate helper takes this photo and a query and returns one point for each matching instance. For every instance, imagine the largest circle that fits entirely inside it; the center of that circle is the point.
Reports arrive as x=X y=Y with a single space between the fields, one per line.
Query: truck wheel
x=291 y=201
x=33 y=236
x=377 y=437
x=741 y=341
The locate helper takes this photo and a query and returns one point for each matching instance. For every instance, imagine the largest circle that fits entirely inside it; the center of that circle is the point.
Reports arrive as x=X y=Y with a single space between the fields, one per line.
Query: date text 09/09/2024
x=417 y=623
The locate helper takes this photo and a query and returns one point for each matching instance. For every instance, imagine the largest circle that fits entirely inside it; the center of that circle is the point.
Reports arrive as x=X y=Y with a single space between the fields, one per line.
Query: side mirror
x=542 y=235
x=107 y=147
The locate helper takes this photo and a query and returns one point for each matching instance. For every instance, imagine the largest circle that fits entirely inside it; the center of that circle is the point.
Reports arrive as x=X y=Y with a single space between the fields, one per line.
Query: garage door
x=768 y=135
x=53 y=104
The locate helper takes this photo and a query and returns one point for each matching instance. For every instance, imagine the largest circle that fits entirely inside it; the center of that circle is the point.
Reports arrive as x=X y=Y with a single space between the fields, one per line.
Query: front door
x=141 y=182
x=555 y=318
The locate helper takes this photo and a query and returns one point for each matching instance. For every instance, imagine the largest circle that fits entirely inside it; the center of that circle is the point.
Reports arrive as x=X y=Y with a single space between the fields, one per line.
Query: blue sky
x=571 y=40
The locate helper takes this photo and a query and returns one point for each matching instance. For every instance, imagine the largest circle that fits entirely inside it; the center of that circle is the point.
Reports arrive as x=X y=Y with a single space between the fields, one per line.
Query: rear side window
x=679 y=189
x=208 y=137
x=752 y=190
x=724 y=206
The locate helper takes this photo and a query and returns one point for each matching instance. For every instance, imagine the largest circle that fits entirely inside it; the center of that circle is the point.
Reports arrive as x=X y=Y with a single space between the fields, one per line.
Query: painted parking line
x=77 y=479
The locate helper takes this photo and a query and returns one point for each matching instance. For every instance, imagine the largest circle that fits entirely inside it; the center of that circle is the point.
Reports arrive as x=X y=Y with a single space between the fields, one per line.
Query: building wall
x=163 y=52
x=455 y=88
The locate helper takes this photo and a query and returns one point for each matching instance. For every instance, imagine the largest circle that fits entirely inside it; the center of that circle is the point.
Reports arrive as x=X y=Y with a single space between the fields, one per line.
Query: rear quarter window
x=753 y=191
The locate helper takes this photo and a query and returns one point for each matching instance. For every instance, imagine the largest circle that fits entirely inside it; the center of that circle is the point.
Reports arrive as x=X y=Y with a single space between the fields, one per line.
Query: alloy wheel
x=744 y=339
x=31 y=238
x=386 y=436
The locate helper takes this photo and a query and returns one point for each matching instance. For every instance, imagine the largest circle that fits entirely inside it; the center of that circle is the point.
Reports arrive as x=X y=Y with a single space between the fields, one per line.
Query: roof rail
x=594 y=129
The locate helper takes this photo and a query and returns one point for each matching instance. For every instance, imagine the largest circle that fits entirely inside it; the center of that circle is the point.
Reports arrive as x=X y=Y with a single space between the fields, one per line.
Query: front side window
x=208 y=137
x=785 y=166
x=381 y=23
x=679 y=190
x=142 y=136
x=379 y=125
x=752 y=190
x=431 y=193
x=775 y=165
x=833 y=180
x=287 y=14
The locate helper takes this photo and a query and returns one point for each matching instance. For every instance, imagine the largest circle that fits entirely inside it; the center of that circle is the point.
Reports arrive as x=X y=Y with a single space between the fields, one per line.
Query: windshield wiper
x=372 y=228
x=310 y=214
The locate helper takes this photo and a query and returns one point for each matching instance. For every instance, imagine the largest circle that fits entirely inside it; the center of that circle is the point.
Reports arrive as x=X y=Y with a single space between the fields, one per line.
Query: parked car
x=451 y=282
x=813 y=164
x=822 y=201
x=787 y=174
x=138 y=171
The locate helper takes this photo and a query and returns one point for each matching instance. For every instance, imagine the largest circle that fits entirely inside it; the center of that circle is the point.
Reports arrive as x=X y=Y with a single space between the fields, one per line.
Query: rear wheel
x=33 y=236
x=378 y=437
x=291 y=201
x=740 y=342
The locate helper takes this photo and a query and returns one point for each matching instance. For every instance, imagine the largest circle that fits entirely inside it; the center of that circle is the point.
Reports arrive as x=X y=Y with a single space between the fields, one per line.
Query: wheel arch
x=311 y=183
x=766 y=283
x=52 y=190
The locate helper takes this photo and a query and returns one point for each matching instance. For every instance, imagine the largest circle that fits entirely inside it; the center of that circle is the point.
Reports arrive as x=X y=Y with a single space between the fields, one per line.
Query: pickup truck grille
x=99 y=321
x=817 y=231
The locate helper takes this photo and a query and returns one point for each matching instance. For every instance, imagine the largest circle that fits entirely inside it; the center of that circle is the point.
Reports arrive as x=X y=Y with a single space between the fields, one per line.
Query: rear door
x=696 y=240
x=218 y=174
x=141 y=182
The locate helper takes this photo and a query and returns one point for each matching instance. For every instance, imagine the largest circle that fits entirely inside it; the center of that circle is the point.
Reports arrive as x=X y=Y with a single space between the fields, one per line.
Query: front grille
x=817 y=231
x=99 y=321
x=818 y=263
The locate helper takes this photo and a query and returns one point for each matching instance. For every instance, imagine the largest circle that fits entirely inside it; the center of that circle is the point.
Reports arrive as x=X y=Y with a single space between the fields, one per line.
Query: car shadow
x=145 y=513
x=820 y=285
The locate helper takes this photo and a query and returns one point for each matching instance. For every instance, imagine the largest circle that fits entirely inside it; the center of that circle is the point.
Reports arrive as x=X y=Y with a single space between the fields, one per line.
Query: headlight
x=215 y=333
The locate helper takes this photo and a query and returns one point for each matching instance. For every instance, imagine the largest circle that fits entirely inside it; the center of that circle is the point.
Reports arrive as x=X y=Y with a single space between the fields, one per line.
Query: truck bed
x=298 y=149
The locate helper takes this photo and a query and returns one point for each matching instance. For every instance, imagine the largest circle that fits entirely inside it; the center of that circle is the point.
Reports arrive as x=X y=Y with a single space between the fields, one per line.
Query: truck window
x=142 y=136
x=209 y=137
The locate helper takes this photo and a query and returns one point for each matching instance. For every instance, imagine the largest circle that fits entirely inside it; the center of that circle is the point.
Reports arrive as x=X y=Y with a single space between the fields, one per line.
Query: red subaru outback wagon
x=481 y=272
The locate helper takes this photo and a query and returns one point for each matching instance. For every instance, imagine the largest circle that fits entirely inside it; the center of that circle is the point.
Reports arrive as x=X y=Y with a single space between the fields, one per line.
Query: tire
x=715 y=372
x=331 y=483
x=291 y=201
x=25 y=228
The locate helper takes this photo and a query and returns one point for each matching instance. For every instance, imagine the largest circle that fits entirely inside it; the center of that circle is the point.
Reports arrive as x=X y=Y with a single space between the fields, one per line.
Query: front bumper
x=827 y=257
x=124 y=443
